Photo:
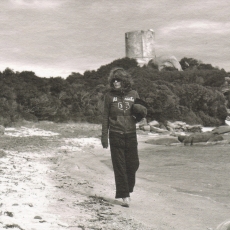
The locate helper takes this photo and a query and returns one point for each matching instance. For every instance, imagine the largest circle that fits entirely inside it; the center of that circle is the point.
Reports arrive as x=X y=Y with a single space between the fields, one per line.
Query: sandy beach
x=56 y=178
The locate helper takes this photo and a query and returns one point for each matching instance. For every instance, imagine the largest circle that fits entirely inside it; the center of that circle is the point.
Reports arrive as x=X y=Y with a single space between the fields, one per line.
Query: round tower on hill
x=140 y=45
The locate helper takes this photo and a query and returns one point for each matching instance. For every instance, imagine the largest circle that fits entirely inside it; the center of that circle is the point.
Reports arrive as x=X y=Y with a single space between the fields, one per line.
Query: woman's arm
x=137 y=95
x=105 y=123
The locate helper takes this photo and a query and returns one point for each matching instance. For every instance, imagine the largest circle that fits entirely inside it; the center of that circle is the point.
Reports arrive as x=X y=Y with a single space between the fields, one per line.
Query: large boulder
x=193 y=128
x=221 y=130
x=145 y=128
x=163 y=140
x=165 y=61
x=216 y=138
x=158 y=130
x=142 y=123
x=176 y=126
x=181 y=138
x=154 y=123
x=180 y=126
x=224 y=226
x=201 y=137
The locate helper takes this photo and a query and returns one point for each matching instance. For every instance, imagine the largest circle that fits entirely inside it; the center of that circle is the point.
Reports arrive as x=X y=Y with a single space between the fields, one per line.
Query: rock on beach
x=163 y=140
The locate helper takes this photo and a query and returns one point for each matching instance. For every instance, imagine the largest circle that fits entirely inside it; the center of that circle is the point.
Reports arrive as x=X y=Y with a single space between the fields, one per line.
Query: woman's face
x=117 y=84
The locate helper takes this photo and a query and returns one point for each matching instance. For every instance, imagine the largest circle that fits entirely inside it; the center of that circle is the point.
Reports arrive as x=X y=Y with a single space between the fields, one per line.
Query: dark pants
x=125 y=161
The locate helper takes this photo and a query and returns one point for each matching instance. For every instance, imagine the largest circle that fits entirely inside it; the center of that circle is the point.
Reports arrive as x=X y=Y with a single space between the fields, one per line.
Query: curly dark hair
x=122 y=75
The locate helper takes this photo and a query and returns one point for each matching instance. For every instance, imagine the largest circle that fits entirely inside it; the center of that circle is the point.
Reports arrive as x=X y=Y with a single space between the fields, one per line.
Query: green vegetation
x=193 y=95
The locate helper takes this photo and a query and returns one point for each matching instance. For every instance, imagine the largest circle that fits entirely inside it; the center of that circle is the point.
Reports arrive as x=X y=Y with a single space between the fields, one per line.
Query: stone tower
x=140 y=45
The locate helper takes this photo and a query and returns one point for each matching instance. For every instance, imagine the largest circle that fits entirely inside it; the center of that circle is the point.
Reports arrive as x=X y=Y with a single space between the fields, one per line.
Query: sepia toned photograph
x=114 y=115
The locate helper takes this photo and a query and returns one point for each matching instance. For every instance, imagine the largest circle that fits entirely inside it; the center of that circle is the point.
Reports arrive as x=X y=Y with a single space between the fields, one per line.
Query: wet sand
x=67 y=182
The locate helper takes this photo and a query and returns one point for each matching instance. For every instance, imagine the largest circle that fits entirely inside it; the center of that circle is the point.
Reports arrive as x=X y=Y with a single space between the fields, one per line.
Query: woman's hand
x=104 y=142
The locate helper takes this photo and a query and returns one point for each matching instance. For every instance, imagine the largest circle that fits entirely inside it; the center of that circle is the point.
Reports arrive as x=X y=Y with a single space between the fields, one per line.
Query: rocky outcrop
x=178 y=132
x=165 y=61
x=200 y=137
x=158 y=130
x=224 y=226
x=141 y=124
x=163 y=140
x=173 y=127
x=153 y=126
x=221 y=130
x=180 y=126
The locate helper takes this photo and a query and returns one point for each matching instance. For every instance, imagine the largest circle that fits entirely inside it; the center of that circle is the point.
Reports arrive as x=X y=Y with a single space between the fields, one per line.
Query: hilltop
x=194 y=95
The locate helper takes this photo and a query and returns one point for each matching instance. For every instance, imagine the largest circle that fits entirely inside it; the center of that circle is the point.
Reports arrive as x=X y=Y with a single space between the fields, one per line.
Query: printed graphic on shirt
x=126 y=99
x=120 y=105
x=129 y=99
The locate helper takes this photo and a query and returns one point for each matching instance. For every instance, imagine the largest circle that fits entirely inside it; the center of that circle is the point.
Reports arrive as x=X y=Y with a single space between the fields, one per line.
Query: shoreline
x=67 y=182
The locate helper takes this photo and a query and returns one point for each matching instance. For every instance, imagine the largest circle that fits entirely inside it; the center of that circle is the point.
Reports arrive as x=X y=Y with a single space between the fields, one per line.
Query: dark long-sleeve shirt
x=117 y=115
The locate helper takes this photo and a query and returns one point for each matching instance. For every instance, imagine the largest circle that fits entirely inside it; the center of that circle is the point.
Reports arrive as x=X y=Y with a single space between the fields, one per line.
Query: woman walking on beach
x=119 y=124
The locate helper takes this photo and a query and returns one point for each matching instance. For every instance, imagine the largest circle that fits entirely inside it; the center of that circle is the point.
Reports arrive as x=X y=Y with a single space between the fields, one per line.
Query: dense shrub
x=192 y=95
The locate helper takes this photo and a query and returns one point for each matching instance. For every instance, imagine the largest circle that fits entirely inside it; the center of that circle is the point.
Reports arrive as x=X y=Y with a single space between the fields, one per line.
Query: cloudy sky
x=57 y=37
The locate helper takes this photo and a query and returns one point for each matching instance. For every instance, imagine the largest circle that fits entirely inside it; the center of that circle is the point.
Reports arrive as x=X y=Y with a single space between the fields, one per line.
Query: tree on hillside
x=74 y=78
x=176 y=95
x=189 y=63
x=193 y=96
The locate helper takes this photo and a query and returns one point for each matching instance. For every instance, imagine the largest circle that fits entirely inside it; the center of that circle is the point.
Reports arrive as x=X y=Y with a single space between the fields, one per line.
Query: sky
x=57 y=37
